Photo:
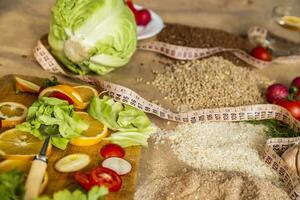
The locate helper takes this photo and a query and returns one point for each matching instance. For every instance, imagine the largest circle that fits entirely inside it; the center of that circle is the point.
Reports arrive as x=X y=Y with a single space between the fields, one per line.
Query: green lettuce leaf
x=132 y=126
x=11 y=185
x=96 y=193
x=88 y=35
x=52 y=116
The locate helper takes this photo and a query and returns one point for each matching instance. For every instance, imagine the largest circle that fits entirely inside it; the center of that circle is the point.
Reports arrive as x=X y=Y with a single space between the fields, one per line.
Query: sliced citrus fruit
x=20 y=165
x=64 y=92
x=73 y=162
x=11 y=114
x=16 y=144
x=86 y=93
x=291 y=21
x=26 y=86
x=93 y=135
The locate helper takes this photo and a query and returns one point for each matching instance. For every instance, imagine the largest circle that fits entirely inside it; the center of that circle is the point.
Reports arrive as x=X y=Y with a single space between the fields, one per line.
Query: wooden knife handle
x=35 y=178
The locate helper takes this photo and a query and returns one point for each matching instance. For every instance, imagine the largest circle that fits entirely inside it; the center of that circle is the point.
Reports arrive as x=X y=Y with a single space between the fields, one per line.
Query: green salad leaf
x=96 y=193
x=11 y=185
x=132 y=126
x=89 y=35
x=52 y=116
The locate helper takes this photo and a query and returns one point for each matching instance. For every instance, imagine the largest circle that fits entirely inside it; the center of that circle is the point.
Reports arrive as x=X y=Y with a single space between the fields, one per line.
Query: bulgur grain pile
x=221 y=146
x=210 y=83
x=209 y=185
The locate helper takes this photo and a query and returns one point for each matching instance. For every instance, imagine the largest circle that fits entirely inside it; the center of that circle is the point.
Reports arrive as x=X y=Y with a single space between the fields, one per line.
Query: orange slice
x=66 y=90
x=26 y=86
x=20 y=165
x=86 y=93
x=93 y=135
x=19 y=145
x=11 y=114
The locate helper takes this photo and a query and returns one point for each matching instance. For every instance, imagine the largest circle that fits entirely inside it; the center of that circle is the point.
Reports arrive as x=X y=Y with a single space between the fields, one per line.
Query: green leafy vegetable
x=50 y=82
x=96 y=193
x=276 y=128
x=11 y=185
x=89 y=35
x=132 y=126
x=52 y=116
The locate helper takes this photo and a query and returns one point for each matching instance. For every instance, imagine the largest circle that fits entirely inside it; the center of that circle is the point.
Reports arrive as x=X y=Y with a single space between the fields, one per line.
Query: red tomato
x=292 y=106
x=61 y=96
x=106 y=177
x=112 y=150
x=83 y=180
x=261 y=53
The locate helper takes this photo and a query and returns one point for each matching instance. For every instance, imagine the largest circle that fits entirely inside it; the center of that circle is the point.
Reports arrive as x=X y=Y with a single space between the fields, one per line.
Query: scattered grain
x=221 y=146
x=210 y=83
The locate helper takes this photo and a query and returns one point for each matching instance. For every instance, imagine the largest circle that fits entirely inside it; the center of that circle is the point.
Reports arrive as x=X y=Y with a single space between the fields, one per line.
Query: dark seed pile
x=184 y=35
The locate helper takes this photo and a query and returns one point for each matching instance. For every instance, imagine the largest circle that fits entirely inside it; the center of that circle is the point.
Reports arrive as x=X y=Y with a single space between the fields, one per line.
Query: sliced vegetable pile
x=58 y=111
x=288 y=98
x=132 y=126
x=109 y=173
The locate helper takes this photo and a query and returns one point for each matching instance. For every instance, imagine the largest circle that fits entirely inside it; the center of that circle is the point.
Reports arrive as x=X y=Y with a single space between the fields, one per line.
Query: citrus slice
x=73 y=162
x=93 y=135
x=11 y=114
x=16 y=144
x=20 y=165
x=291 y=21
x=65 y=92
x=86 y=93
x=26 y=86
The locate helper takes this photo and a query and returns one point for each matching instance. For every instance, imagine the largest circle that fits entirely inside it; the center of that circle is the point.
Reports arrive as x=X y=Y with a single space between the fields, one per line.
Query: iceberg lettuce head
x=92 y=35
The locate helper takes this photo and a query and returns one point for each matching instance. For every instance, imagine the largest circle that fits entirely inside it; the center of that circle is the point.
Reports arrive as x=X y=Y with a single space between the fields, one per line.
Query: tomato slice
x=61 y=96
x=83 y=180
x=112 y=150
x=102 y=176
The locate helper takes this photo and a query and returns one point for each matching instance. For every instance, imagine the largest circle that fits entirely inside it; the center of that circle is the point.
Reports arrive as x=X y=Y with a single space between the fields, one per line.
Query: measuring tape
x=230 y=114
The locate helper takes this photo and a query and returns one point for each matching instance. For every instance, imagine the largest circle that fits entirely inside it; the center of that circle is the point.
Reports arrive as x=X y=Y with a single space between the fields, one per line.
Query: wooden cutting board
x=57 y=180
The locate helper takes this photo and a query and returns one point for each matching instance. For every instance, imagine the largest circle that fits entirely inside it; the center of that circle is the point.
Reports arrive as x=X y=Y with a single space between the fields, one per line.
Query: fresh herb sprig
x=12 y=185
x=276 y=128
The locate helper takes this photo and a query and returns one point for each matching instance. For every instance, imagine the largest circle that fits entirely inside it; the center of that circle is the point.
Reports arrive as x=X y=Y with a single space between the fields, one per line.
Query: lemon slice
x=16 y=144
x=93 y=135
x=291 y=21
x=26 y=86
x=20 y=165
x=68 y=91
x=72 y=162
x=12 y=113
x=86 y=93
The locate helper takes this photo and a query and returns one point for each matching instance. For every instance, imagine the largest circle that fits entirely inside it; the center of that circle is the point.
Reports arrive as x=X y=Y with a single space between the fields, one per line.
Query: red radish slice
x=112 y=150
x=119 y=165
